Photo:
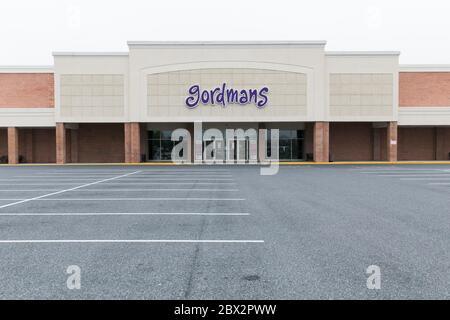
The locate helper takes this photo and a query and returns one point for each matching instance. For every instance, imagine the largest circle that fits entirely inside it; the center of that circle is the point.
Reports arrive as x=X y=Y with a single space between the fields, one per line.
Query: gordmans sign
x=225 y=96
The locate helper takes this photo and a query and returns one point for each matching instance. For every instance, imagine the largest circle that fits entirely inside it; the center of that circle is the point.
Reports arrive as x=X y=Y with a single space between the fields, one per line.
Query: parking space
x=430 y=176
x=55 y=211
x=224 y=232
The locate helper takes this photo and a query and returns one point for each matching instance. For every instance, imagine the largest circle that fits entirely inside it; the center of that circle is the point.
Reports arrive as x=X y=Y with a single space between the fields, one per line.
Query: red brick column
x=127 y=142
x=13 y=145
x=321 y=147
x=135 y=142
x=391 y=142
x=132 y=142
x=60 y=143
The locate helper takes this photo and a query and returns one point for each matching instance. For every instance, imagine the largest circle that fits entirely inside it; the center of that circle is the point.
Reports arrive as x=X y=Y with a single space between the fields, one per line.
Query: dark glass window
x=160 y=145
x=291 y=144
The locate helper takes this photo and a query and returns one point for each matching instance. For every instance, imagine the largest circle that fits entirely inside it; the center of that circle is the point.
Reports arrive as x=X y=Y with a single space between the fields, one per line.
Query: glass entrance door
x=291 y=145
x=160 y=145
x=241 y=150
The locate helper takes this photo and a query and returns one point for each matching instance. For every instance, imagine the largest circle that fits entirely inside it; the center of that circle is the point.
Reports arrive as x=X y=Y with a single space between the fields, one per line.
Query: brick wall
x=321 y=141
x=101 y=143
x=416 y=143
x=351 y=141
x=26 y=90
x=44 y=146
x=37 y=145
x=422 y=89
x=431 y=143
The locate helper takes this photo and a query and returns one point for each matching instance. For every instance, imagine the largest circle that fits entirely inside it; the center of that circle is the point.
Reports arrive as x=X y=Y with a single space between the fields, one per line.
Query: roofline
x=226 y=43
x=26 y=69
x=425 y=68
x=362 y=53
x=69 y=53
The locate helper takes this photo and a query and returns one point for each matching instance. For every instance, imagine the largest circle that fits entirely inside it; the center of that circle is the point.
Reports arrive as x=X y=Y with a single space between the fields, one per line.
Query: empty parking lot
x=213 y=232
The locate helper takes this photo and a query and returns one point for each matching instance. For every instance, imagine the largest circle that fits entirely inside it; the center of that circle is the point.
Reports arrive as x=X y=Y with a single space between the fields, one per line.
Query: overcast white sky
x=31 y=29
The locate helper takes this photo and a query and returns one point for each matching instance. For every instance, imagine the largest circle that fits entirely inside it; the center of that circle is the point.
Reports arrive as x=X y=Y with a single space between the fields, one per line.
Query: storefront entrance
x=238 y=150
x=291 y=146
x=160 y=145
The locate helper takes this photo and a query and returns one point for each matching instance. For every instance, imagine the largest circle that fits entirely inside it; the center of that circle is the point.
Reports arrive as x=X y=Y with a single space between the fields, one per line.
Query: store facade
x=125 y=107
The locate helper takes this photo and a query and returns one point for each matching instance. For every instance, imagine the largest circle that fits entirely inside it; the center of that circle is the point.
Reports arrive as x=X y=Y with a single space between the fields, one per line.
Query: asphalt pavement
x=225 y=232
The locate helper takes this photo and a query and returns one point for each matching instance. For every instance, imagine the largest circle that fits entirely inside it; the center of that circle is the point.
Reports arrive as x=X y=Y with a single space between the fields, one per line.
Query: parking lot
x=225 y=232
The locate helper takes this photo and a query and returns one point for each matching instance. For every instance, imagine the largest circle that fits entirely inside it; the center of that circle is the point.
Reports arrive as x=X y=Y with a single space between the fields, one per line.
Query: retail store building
x=122 y=107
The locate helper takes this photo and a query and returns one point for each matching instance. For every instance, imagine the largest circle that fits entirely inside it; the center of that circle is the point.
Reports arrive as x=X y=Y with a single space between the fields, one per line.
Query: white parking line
x=142 y=172
x=375 y=170
x=404 y=172
x=423 y=179
x=86 y=176
x=162 y=189
x=40 y=184
x=115 y=183
x=65 y=190
x=213 y=169
x=136 y=199
x=115 y=199
x=47 y=179
x=185 y=174
x=170 y=183
x=59 y=176
x=127 y=180
x=75 y=173
x=415 y=175
x=147 y=176
x=27 y=190
x=179 y=179
x=129 y=214
x=130 y=241
x=125 y=190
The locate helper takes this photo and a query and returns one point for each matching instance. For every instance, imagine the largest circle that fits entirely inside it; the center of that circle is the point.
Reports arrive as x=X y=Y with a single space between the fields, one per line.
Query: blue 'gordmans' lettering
x=225 y=96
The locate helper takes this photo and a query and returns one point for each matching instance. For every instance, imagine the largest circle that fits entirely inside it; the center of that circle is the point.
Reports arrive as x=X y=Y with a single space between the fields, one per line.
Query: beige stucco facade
x=328 y=96
x=306 y=83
